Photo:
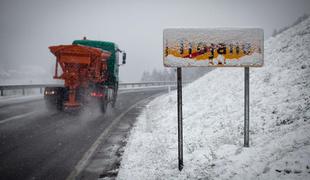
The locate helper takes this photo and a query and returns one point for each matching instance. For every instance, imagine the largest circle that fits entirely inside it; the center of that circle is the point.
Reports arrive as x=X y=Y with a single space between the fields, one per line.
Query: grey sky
x=28 y=27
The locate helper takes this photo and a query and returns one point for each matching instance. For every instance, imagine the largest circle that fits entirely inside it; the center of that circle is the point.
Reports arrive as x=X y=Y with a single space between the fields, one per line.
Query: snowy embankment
x=213 y=121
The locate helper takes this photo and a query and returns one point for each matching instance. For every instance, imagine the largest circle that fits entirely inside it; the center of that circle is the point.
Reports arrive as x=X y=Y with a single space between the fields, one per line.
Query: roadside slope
x=213 y=121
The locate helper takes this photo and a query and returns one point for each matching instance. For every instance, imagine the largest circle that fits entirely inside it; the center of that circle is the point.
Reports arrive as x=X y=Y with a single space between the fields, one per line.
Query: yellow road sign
x=216 y=47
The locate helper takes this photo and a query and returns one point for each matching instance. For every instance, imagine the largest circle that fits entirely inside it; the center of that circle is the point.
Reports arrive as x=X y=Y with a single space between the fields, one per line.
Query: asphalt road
x=38 y=144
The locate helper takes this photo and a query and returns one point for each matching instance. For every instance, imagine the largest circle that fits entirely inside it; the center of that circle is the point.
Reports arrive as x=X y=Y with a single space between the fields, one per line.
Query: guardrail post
x=23 y=91
x=1 y=92
x=41 y=90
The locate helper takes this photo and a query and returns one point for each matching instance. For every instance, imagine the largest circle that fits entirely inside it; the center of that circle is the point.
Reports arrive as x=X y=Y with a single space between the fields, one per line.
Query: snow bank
x=213 y=121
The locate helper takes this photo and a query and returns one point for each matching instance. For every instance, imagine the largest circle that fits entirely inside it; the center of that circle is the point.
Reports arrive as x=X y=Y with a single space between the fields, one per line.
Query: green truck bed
x=112 y=61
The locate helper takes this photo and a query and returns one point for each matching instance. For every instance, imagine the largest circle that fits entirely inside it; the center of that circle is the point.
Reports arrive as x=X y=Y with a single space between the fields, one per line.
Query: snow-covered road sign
x=216 y=47
x=213 y=47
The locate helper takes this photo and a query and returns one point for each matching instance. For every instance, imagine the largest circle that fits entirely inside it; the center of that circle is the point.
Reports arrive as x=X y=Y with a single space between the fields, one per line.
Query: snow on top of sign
x=214 y=35
x=213 y=122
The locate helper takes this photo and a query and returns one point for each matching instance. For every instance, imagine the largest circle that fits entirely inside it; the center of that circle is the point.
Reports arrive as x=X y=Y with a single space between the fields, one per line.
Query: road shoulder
x=103 y=159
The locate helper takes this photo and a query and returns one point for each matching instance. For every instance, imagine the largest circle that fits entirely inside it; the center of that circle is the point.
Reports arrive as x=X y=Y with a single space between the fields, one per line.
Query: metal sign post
x=246 y=106
x=180 y=118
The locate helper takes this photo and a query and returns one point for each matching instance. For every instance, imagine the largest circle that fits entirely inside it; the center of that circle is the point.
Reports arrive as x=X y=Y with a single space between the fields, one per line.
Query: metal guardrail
x=146 y=84
x=24 y=87
x=121 y=85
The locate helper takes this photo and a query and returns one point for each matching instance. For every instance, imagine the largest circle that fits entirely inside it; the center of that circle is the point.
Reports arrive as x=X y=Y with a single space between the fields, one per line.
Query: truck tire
x=115 y=90
x=50 y=104
x=55 y=101
x=103 y=105
x=60 y=103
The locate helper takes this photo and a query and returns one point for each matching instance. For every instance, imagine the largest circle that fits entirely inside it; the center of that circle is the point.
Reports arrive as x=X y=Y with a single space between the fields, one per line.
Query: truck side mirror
x=124 y=58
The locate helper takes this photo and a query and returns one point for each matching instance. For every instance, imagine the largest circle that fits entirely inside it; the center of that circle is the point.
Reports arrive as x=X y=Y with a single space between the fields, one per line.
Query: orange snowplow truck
x=90 y=73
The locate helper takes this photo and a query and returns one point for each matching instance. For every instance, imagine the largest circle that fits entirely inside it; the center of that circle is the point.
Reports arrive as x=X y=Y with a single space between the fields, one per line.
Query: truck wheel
x=104 y=105
x=60 y=104
x=113 y=102
x=114 y=96
x=50 y=105
x=54 y=98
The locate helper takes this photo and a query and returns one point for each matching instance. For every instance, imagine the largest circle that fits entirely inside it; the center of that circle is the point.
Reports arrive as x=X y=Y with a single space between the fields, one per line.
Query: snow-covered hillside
x=213 y=121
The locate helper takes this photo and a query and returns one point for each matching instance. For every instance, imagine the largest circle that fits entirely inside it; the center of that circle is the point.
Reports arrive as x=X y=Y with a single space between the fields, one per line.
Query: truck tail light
x=96 y=94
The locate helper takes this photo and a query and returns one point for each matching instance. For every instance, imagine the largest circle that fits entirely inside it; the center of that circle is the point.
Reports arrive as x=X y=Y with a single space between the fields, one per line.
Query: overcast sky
x=28 y=27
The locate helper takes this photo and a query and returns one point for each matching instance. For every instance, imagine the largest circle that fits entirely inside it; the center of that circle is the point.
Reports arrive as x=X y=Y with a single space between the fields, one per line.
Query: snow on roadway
x=213 y=121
